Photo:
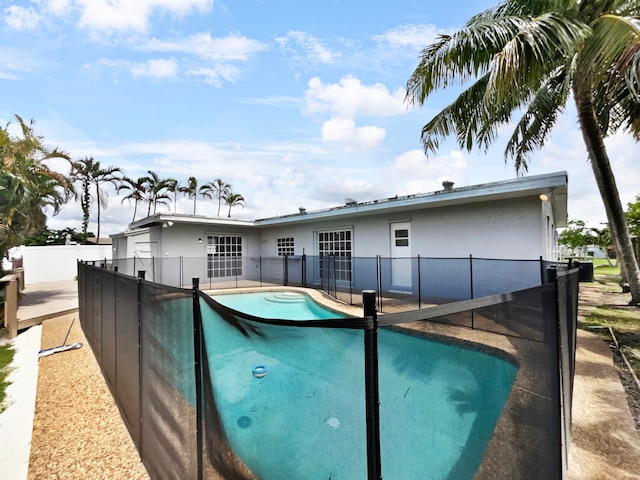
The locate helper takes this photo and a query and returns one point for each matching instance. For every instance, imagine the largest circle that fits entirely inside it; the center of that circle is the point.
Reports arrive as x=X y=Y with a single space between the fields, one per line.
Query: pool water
x=305 y=417
x=277 y=304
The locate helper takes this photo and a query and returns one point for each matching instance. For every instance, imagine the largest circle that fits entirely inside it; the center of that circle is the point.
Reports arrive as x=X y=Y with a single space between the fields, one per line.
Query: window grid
x=338 y=244
x=224 y=256
x=286 y=246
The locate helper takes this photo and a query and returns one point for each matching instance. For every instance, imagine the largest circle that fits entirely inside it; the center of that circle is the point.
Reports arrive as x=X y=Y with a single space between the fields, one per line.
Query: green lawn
x=601 y=267
x=623 y=320
x=6 y=357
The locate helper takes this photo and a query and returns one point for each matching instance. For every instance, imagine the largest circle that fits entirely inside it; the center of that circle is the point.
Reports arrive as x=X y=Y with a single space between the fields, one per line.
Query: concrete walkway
x=39 y=302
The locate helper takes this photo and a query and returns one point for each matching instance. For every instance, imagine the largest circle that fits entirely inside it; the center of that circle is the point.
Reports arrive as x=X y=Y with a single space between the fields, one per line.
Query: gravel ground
x=77 y=429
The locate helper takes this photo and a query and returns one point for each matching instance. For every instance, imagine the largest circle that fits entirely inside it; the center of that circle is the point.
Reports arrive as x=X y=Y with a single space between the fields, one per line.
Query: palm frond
x=461 y=57
x=535 y=125
x=534 y=52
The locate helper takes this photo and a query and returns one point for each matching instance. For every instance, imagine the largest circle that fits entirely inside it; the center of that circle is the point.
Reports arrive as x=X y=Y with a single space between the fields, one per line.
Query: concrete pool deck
x=605 y=442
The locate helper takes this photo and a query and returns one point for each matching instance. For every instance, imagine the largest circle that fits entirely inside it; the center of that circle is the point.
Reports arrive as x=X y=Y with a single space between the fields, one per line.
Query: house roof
x=552 y=185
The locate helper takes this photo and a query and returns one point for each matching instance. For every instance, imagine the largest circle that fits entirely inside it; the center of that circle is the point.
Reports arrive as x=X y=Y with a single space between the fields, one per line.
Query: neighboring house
x=511 y=219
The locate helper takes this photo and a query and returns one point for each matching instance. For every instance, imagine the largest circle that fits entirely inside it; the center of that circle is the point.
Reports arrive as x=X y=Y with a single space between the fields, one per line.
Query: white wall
x=58 y=262
x=510 y=229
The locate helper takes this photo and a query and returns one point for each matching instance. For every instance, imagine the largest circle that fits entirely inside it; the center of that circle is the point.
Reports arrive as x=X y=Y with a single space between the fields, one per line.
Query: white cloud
x=156 y=68
x=310 y=45
x=129 y=15
x=58 y=7
x=345 y=132
x=231 y=47
x=214 y=76
x=420 y=175
x=350 y=98
x=415 y=37
x=20 y=18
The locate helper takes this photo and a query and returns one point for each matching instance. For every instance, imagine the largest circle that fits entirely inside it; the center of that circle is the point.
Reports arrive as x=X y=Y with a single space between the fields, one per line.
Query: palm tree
x=174 y=187
x=233 y=199
x=137 y=192
x=191 y=190
x=156 y=190
x=27 y=185
x=530 y=57
x=220 y=190
x=90 y=172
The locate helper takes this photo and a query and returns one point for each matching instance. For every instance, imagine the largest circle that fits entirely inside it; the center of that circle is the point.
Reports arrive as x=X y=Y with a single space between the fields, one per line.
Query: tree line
x=28 y=187
x=578 y=234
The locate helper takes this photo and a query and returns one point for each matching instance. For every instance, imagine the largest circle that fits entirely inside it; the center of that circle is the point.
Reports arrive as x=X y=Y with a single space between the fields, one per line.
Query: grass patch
x=625 y=323
x=6 y=357
x=602 y=267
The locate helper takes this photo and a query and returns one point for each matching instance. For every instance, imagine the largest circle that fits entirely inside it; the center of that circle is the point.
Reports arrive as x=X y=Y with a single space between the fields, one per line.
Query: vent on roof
x=448 y=186
x=302 y=210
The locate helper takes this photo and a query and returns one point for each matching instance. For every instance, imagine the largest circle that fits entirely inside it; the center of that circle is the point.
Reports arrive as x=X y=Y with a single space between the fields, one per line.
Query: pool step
x=286 y=297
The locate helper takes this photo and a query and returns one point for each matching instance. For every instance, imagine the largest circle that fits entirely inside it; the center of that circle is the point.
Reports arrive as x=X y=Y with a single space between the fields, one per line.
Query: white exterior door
x=401 y=254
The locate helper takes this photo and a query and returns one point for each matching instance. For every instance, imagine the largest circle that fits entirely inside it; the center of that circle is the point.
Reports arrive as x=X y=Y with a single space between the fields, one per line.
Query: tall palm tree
x=90 y=172
x=233 y=199
x=220 y=189
x=191 y=190
x=137 y=192
x=530 y=57
x=27 y=184
x=156 y=189
x=174 y=187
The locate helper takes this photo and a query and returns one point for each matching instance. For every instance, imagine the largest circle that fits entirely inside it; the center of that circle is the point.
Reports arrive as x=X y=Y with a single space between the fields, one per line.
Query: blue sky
x=294 y=103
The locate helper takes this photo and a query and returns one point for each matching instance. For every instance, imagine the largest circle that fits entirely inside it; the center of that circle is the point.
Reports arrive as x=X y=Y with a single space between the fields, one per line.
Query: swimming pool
x=303 y=416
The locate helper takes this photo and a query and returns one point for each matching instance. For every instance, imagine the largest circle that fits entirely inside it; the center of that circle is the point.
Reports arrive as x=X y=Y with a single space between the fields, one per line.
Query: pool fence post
x=542 y=276
x=471 y=285
x=419 y=286
x=372 y=393
x=304 y=269
x=285 y=268
x=197 y=365
x=140 y=371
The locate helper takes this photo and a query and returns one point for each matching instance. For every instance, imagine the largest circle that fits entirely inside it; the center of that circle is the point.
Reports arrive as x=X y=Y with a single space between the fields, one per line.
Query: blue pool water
x=305 y=417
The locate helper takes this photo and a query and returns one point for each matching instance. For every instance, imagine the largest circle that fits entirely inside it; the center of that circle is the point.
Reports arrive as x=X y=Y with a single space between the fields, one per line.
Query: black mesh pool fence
x=479 y=388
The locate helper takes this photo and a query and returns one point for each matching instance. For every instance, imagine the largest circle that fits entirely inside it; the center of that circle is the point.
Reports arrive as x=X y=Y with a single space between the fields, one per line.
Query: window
x=285 y=246
x=335 y=244
x=224 y=256
x=402 y=238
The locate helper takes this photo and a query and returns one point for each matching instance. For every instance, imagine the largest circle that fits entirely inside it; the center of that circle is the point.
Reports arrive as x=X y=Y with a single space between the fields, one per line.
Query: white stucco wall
x=500 y=229
x=58 y=262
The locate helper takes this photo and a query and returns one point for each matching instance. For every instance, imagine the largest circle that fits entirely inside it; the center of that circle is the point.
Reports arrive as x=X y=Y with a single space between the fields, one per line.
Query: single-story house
x=510 y=219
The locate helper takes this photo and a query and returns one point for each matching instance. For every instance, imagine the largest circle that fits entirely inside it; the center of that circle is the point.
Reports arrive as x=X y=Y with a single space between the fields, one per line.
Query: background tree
x=601 y=238
x=529 y=57
x=220 y=189
x=576 y=235
x=633 y=217
x=137 y=192
x=90 y=173
x=233 y=199
x=157 y=190
x=191 y=190
x=54 y=237
x=174 y=187
x=81 y=174
x=28 y=187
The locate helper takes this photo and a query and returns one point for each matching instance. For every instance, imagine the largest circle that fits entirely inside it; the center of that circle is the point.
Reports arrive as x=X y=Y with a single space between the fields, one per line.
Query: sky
x=294 y=103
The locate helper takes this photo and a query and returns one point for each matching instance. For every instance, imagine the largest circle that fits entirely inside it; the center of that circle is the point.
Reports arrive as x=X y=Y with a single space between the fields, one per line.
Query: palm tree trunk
x=606 y=182
x=98 y=202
